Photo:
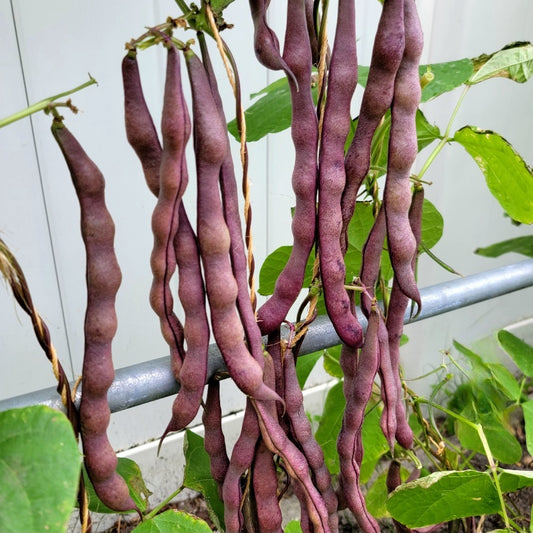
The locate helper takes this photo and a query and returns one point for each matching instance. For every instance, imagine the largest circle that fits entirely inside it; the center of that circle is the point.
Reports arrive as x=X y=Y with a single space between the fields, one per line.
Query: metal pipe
x=152 y=380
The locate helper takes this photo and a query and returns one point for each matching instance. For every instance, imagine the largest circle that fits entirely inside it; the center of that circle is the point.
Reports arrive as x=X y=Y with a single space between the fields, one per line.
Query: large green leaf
x=131 y=473
x=198 y=477
x=514 y=61
x=305 y=364
x=173 y=521
x=432 y=224
x=519 y=351
x=446 y=77
x=374 y=443
x=39 y=469
x=502 y=444
x=330 y=425
x=519 y=245
x=508 y=176
x=443 y=496
x=274 y=264
x=270 y=112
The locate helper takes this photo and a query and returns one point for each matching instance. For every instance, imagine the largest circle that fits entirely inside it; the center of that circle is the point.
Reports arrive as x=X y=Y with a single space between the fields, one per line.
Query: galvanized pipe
x=145 y=382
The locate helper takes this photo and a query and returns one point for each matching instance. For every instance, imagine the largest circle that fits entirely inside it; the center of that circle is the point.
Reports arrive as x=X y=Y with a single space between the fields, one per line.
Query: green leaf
x=173 y=521
x=443 y=496
x=519 y=351
x=376 y=497
x=330 y=425
x=527 y=409
x=270 y=113
x=520 y=245
x=305 y=364
x=374 y=443
x=131 y=473
x=39 y=469
x=511 y=480
x=197 y=476
x=293 y=527
x=508 y=176
x=502 y=444
x=274 y=264
x=514 y=61
x=432 y=224
x=331 y=361
x=447 y=76
x=218 y=6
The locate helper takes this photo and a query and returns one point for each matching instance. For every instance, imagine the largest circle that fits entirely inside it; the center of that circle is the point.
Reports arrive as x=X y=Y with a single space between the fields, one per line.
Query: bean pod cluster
x=208 y=256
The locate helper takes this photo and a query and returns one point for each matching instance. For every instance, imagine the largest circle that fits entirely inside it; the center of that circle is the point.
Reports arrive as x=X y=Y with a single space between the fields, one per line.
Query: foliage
x=39 y=468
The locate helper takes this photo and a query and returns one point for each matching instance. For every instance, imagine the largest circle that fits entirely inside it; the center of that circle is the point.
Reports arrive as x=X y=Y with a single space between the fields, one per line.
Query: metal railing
x=145 y=382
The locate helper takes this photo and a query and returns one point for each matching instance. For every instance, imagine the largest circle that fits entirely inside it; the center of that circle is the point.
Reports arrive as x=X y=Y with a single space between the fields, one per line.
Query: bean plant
x=360 y=222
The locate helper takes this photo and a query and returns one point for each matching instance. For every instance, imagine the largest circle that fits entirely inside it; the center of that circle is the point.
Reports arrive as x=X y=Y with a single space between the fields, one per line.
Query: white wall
x=50 y=46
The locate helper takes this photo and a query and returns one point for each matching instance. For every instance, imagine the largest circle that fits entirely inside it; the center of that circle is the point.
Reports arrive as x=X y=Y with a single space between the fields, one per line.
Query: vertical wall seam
x=43 y=195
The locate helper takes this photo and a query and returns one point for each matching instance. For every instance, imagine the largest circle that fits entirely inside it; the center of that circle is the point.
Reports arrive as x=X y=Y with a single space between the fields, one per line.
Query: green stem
x=446 y=138
x=156 y=510
x=43 y=104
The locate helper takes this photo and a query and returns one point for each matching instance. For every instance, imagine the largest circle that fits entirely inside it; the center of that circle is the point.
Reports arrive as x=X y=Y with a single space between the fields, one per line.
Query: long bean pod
x=103 y=277
x=342 y=80
x=175 y=127
x=213 y=236
x=140 y=128
x=304 y=131
x=386 y=57
x=349 y=443
x=402 y=153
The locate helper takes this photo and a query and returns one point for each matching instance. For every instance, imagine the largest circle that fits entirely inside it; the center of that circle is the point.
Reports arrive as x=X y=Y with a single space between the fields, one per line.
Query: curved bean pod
x=230 y=204
x=398 y=303
x=140 y=129
x=349 y=444
x=304 y=131
x=303 y=435
x=402 y=153
x=377 y=97
x=242 y=457
x=103 y=279
x=371 y=260
x=266 y=44
x=341 y=85
x=193 y=373
x=214 y=240
x=294 y=462
x=175 y=127
x=265 y=483
x=214 y=442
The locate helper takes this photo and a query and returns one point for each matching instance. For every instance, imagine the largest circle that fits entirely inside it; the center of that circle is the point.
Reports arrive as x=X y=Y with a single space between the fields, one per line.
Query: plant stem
x=42 y=105
x=158 y=508
x=446 y=138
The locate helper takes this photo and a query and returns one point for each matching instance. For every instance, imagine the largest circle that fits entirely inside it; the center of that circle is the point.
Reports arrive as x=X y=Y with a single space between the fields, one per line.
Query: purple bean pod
x=377 y=97
x=402 y=153
x=211 y=148
x=175 y=127
x=140 y=128
x=214 y=442
x=304 y=131
x=103 y=278
x=342 y=80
